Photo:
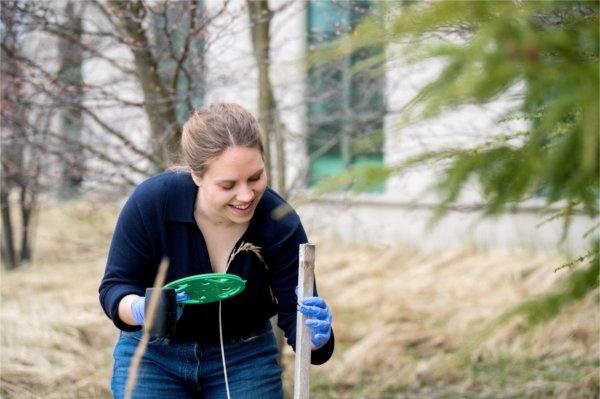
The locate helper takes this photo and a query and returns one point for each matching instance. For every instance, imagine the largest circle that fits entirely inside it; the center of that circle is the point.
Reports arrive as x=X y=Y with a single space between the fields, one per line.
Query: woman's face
x=231 y=186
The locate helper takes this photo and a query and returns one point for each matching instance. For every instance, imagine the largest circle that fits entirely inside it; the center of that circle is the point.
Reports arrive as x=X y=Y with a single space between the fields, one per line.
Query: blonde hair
x=211 y=130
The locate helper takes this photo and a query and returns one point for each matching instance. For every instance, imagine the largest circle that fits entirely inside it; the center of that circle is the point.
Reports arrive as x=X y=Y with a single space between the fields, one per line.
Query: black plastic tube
x=166 y=312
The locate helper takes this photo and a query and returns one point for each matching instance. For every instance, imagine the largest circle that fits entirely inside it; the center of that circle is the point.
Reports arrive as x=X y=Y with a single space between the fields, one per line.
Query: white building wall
x=288 y=47
x=401 y=213
x=378 y=221
x=231 y=73
x=130 y=121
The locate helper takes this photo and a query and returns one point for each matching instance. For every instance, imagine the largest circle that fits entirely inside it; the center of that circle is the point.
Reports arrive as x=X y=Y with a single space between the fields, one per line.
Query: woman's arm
x=130 y=267
x=282 y=258
x=124 y=312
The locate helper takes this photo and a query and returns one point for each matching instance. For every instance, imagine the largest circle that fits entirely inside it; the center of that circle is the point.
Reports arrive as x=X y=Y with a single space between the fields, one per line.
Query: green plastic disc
x=208 y=287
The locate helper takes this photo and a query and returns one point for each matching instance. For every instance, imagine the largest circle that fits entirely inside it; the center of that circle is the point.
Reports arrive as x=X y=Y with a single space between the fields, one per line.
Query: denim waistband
x=249 y=334
x=238 y=337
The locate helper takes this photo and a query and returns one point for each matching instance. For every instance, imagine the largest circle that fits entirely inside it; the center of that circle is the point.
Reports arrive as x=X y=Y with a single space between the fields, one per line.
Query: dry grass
x=399 y=316
x=56 y=342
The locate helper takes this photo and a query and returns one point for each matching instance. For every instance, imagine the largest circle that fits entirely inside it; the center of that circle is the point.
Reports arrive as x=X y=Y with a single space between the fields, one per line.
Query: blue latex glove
x=319 y=319
x=138 y=304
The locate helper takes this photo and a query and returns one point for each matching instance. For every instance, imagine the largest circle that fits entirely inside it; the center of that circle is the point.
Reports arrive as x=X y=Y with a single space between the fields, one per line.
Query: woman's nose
x=245 y=195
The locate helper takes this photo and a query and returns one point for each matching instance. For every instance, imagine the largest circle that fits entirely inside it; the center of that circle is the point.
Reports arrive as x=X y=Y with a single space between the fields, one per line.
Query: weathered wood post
x=306 y=281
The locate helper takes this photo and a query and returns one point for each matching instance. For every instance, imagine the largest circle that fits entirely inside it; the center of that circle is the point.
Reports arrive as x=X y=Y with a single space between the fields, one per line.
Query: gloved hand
x=319 y=319
x=138 y=304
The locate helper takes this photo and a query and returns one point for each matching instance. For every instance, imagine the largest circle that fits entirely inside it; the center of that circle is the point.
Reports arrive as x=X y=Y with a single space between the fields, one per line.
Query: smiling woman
x=201 y=219
x=228 y=193
x=230 y=189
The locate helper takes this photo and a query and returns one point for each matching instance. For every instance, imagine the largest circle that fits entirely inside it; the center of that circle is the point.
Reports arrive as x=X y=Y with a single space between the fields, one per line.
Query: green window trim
x=345 y=110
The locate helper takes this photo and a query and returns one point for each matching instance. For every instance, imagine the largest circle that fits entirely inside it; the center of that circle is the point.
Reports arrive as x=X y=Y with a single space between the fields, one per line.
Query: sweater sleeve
x=129 y=265
x=283 y=259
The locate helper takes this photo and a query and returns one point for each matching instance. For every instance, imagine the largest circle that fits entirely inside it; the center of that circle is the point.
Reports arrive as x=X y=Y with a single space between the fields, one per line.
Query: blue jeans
x=178 y=369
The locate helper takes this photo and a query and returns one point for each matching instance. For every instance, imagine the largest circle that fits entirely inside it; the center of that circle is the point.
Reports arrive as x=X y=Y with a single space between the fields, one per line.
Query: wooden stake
x=306 y=281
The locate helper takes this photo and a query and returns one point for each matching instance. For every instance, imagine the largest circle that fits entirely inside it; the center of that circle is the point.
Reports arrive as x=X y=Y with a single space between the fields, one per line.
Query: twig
x=580 y=259
x=132 y=375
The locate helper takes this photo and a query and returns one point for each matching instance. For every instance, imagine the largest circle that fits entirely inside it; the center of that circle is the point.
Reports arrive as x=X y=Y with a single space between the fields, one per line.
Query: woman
x=197 y=219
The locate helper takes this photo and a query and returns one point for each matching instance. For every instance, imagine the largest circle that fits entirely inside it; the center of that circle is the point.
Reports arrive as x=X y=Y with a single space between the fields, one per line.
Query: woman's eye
x=226 y=187
x=257 y=178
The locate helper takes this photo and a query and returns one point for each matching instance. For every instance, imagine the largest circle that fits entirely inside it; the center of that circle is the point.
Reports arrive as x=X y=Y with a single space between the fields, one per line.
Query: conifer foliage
x=549 y=51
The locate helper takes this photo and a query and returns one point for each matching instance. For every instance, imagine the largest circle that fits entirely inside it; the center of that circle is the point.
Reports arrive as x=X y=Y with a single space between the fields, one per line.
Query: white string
x=223 y=352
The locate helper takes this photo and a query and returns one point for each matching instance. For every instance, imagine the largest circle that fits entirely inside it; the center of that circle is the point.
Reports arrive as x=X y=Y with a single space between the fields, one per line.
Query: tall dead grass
x=399 y=315
x=55 y=339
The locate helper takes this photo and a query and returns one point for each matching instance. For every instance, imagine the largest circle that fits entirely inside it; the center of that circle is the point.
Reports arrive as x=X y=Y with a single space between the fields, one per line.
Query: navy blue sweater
x=158 y=221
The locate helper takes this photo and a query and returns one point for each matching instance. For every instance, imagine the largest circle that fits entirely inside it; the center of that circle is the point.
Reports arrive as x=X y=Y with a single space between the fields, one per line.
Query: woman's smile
x=232 y=185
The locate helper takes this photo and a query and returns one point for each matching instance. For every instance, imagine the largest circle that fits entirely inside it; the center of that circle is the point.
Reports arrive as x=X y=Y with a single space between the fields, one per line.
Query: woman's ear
x=197 y=180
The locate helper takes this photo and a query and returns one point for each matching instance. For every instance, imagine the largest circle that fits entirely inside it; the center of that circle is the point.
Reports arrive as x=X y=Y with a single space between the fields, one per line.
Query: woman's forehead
x=236 y=160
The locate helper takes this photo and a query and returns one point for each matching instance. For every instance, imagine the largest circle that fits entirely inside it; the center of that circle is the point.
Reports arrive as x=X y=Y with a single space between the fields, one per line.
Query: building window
x=345 y=108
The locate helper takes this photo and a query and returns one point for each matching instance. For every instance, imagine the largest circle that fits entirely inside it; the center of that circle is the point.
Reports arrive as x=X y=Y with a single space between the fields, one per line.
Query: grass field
x=402 y=321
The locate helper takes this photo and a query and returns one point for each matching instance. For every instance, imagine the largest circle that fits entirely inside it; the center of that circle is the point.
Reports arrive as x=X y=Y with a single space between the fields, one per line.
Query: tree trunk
x=20 y=162
x=260 y=18
x=71 y=60
x=13 y=122
x=9 y=255
x=28 y=204
x=158 y=103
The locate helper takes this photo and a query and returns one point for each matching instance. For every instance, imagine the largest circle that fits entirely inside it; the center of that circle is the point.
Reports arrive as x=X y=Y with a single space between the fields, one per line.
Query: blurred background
x=443 y=156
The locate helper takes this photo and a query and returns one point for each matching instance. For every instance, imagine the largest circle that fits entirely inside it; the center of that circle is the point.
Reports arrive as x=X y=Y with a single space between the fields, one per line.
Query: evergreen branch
x=594 y=252
x=591 y=230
